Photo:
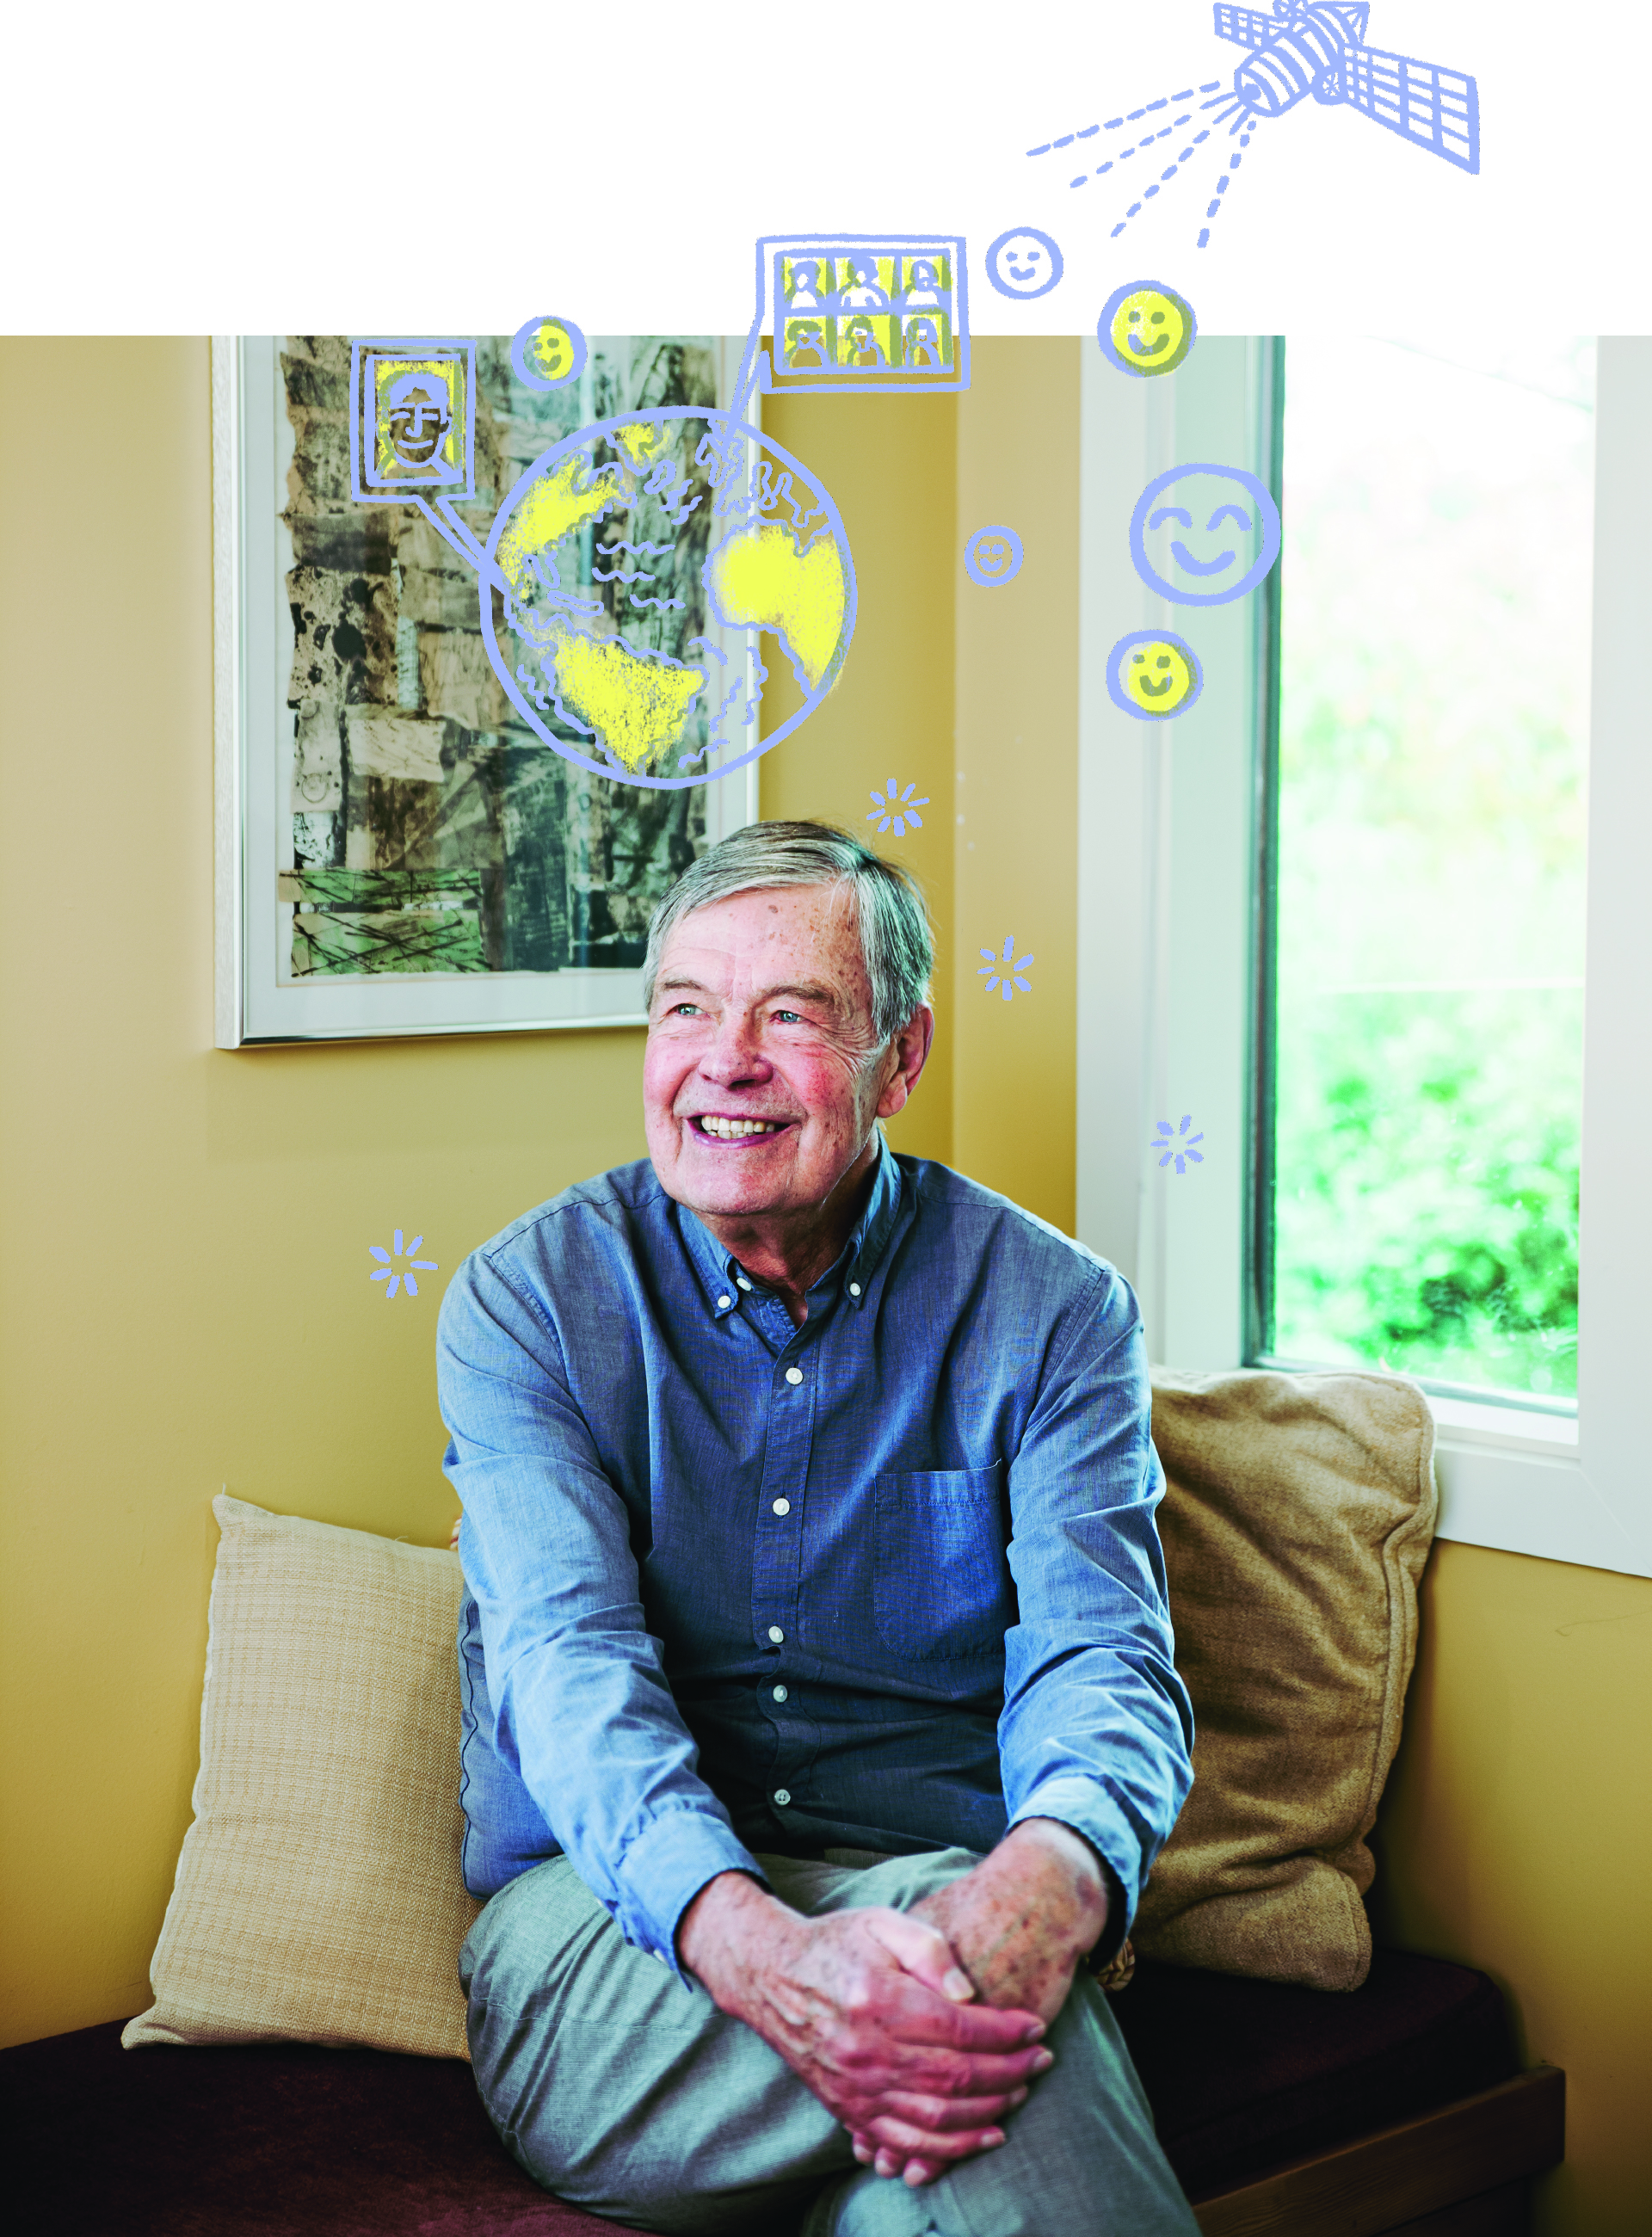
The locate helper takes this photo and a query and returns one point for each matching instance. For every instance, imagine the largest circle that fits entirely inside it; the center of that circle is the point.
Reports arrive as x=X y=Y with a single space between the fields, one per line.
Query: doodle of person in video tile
x=806 y=343
x=417 y=417
x=864 y=347
x=863 y=292
x=805 y=288
x=924 y=293
x=922 y=343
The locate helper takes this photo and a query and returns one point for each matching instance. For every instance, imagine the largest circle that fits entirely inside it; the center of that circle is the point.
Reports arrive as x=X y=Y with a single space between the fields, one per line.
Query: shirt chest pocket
x=941 y=1586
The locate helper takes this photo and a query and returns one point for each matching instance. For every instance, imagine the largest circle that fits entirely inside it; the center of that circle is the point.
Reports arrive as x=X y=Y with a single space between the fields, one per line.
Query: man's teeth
x=729 y=1130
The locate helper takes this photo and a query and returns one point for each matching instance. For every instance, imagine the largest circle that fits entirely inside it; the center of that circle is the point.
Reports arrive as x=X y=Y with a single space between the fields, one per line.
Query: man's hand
x=1018 y=1923
x=1021 y=1921
x=870 y=2010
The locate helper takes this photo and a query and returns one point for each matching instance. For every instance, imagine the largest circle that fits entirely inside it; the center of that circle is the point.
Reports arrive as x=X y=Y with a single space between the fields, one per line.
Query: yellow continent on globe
x=761 y=580
x=555 y=503
x=636 y=707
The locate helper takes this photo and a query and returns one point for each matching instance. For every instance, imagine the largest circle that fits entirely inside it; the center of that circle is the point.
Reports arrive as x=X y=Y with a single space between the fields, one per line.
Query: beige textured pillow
x=319 y=1897
x=1298 y=1514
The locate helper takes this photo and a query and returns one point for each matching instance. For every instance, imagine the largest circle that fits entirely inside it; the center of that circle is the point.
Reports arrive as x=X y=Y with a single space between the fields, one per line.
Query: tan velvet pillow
x=318 y=1895
x=1298 y=1515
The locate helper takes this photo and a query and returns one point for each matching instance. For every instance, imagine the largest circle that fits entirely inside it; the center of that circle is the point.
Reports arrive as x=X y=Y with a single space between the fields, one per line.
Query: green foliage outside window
x=1435 y=648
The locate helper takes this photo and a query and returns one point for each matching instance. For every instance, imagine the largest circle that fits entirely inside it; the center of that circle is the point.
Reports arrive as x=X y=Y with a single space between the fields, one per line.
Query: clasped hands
x=920 y=2030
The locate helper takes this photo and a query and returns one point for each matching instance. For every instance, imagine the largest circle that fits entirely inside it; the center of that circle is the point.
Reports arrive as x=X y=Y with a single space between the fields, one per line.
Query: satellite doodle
x=1305 y=46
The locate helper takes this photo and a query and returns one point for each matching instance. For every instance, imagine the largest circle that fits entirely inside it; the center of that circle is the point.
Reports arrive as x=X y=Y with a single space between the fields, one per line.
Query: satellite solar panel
x=1244 y=26
x=1439 y=108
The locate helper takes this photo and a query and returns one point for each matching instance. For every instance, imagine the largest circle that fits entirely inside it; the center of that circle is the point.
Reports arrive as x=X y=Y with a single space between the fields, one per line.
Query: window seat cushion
x=292 y=2139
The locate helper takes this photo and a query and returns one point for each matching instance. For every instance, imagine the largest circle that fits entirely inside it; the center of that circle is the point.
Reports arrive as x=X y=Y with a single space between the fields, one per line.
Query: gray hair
x=896 y=943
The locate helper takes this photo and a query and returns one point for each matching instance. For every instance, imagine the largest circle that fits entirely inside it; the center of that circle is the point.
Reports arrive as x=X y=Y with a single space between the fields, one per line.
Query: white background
x=326 y=165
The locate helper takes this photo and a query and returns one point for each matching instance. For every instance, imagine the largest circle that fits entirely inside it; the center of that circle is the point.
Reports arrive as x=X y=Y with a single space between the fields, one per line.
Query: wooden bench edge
x=1380 y=2183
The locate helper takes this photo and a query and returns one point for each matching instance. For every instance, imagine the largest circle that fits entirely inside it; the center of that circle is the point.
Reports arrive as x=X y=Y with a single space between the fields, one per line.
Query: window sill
x=1509 y=1429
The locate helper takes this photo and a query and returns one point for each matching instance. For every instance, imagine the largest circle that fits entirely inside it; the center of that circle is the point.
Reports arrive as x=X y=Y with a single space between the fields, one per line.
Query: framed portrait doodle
x=476 y=706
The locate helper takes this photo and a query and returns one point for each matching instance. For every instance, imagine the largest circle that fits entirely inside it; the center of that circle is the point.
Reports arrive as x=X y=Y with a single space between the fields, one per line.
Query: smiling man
x=820 y=1719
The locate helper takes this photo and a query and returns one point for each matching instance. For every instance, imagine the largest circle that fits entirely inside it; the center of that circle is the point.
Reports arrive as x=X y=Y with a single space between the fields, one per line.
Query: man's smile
x=712 y=1126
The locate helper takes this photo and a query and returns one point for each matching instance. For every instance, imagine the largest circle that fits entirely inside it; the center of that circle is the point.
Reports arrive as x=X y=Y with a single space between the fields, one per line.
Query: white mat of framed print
x=415 y=829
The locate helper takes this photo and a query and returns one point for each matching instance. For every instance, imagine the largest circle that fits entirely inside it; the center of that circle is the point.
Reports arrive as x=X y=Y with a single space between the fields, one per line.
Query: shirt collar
x=725 y=1280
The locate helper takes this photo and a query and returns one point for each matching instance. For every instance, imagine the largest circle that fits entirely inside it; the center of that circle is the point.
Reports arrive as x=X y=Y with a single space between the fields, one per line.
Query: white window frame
x=1167 y=856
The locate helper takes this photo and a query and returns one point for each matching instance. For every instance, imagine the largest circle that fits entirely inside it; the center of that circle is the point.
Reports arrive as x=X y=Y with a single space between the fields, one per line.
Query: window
x=1424 y=1034
x=1179 y=871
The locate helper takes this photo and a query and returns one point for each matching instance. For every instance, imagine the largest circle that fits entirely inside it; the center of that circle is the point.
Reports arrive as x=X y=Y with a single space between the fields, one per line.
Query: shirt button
x=780 y=1692
x=723 y=1303
x=855 y=1289
x=776 y=1633
x=782 y=1506
x=741 y=1282
x=794 y=1375
x=783 y=1795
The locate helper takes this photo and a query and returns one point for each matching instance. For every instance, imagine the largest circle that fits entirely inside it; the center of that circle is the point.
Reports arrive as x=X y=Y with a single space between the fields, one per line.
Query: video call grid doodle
x=873 y=313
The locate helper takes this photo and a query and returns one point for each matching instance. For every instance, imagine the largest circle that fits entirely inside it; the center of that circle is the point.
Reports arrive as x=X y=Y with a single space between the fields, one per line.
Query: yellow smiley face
x=1151 y=329
x=552 y=349
x=1157 y=677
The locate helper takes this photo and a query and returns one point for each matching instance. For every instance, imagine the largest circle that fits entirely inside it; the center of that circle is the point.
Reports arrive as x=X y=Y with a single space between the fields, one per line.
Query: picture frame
x=333 y=946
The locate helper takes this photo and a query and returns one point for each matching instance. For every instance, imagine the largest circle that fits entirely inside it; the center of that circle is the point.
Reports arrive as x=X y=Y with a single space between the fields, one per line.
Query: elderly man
x=820 y=1718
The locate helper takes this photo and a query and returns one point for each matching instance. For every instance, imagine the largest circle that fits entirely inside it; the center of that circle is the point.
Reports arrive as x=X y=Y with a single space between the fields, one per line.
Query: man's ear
x=910 y=1052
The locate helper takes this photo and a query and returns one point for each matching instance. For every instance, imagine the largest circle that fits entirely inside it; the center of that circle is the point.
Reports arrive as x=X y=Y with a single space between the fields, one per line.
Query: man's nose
x=736 y=1051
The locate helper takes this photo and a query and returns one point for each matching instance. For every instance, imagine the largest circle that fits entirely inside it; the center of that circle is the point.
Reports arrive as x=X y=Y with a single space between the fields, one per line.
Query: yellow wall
x=1516 y=1836
x=185 y=1230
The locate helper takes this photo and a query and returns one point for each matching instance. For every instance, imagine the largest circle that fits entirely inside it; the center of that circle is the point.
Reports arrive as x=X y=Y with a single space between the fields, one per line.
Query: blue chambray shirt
x=888 y=1580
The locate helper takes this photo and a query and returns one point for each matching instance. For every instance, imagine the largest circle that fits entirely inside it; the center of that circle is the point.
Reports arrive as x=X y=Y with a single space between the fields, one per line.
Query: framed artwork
x=460 y=753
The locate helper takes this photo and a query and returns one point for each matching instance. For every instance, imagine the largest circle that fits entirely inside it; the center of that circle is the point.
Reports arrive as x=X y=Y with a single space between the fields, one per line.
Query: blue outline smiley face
x=1024 y=263
x=1225 y=535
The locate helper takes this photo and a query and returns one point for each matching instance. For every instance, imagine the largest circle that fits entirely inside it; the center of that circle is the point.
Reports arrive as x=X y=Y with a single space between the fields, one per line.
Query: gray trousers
x=622 y=2091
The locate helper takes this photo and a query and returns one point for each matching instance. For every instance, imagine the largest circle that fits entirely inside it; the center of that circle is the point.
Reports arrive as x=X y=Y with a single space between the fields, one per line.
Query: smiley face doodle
x=1153 y=675
x=1024 y=263
x=1202 y=535
x=548 y=353
x=1146 y=328
x=992 y=555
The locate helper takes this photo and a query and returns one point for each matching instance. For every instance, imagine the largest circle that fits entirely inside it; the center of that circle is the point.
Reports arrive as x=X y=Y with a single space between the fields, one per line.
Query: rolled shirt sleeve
x=583 y=1711
x=1096 y=1728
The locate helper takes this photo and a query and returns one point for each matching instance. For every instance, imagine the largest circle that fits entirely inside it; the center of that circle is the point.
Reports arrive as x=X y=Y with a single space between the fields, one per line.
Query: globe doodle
x=641 y=571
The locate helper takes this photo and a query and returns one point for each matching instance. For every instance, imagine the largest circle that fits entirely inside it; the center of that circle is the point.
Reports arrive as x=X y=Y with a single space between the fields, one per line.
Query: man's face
x=762 y=1012
x=417 y=423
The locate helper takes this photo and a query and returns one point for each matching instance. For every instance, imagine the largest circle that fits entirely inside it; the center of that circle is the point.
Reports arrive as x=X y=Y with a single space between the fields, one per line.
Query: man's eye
x=683 y=1010
x=790 y=1017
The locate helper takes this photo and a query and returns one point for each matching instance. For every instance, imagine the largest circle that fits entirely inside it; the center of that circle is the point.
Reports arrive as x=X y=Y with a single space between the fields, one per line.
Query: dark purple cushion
x=279 y=2139
x=285 y=2140
x=1246 y=2075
